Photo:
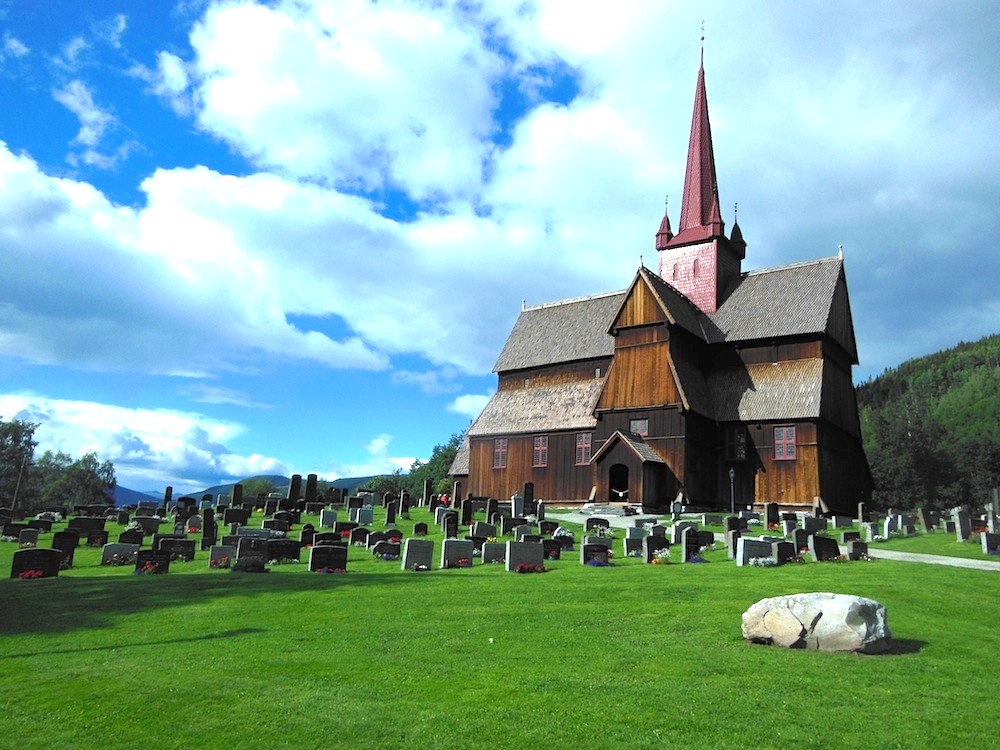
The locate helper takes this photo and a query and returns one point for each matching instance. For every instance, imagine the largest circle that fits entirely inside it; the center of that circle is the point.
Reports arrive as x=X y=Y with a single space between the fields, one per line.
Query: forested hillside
x=931 y=427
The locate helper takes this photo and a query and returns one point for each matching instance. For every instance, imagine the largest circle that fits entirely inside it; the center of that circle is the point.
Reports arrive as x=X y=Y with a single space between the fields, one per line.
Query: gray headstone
x=651 y=545
x=118 y=554
x=417 y=553
x=327 y=518
x=457 y=553
x=221 y=556
x=524 y=553
x=823 y=548
x=494 y=552
x=747 y=548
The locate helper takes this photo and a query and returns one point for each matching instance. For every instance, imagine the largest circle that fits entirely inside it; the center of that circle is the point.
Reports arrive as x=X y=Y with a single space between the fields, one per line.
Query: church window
x=736 y=443
x=784 y=443
x=584 y=442
x=675 y=272
x=639 y=427
x=694 y=268
x=500 y=453
x=597 y=372
x=540 y=455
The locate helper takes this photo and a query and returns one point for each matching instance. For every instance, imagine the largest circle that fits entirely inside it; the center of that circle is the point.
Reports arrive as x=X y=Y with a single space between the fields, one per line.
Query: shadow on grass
x=901 y=646
x=62 y=605
x=143 y=644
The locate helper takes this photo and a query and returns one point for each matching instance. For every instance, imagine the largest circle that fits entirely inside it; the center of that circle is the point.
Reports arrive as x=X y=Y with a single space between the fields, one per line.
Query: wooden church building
x=728 y=386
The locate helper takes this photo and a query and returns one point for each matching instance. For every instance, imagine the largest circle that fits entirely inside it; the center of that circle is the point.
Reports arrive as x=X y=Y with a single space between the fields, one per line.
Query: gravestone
x=633 y=546
x=593 y=553
x=491 y=508
x=152 y=562
x=862 y=512
x=122 y=518
x=323 y=558
x=449 y=524
x=312 y=482
x=41 y=524
x=178 y=549
x=540 y=511
x=990 y=542
x=283 y=549
x=477 y=543
x=390 y=513
x=813 y=525
x=823 y=548
x=221 y=556
x=849 y=536
x=711 y=519
x=439 y=514
x=856 y=549
x=963 y=525
x=595 y=522
x=551 y=549
x=690 y=544
x=84 y=524
x=732 y=523
x=456 y=553
x=788 y=527
x=517 y=505
x=119 y=554
x=747 y=549
x=36 y=562
x=524 y=553
x=800 y=539
x=328 y=537
x=420 y=529
x=889 y=526
x=679 y=528
x=386 y=550
x=360 y=536
x=651 y=545
x=28 y=537
x=327 y=518
x=732 y=537
x=783 y=552
x=418 y=554
x=480 y=528
x=519 y=532
x=425 y=497
x=130 y=537
x=67 y=541
x=340 y=527
x=842 y=522
x=658 y=530
x=236 y=515
x=771 y=514
x=466 y=510
x=602 y=541
x=509 y=523
x=494 y=552
x=194 y=524
x=306 y=535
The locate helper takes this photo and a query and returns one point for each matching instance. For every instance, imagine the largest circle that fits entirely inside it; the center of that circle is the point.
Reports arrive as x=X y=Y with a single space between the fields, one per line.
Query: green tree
x=17 y=450
x=254 y=486
x=85 y=481
x=393 y=483
x=436 y=467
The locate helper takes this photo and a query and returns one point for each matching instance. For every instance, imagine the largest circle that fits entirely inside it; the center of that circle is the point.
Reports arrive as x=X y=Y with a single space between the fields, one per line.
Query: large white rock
x=819 y=621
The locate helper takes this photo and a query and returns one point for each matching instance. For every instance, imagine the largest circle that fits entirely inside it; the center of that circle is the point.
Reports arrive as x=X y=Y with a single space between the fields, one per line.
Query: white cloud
x=470 y=404
x=13 y=47
x=170 y=81
x=94 y=121
x=212 y=394
x=145 y=445
x=379 y=461
x=354 y=93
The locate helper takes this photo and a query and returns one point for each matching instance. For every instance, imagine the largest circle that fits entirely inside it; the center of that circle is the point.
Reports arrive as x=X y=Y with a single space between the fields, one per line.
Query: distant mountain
x=125 y=496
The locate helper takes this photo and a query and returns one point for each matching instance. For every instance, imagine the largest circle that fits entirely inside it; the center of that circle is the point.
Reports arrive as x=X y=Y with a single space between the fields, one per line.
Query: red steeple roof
x=666 y=233
x=700 y=216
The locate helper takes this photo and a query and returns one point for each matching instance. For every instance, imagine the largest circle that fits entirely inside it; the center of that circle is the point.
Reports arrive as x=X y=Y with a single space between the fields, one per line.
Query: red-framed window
x=540 y=454
x=584 y=445
x=639 y=427
x=500 y=453
x=784 y=443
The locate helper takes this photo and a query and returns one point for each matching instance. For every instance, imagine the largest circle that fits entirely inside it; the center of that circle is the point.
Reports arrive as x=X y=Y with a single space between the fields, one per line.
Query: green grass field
x=621 y=657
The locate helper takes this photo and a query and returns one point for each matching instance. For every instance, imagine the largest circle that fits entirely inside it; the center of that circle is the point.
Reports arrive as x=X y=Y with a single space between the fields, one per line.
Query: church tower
x=699 y=261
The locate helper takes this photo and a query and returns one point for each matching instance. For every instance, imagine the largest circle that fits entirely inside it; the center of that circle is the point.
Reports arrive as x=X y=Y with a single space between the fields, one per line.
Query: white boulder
x=819 y=621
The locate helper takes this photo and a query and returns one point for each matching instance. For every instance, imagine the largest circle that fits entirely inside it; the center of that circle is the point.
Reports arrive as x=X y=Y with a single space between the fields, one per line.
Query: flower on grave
x=762 y=562
x=754 y=522
x=697 y=559
x=24 y=545
x=221 y=562
x=804 y=549
x=330 y=570
x=598 y=562
x=8 y=539
x=29 y=574
x=553 y=556
x=773 y=527
x=418 y=567
x=463 y=562
x=878 y=538
x=532 y=520
x=389 y=556
x=150 y=567
x=491 y=539
x=526 y=568
x=661 y=557
x=345 y=534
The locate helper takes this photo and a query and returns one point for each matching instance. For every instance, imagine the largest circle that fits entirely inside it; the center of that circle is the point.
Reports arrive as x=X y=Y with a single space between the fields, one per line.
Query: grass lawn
x=626 y=656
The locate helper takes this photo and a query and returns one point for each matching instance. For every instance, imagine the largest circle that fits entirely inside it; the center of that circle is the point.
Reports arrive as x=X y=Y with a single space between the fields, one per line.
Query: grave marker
x=36 y=562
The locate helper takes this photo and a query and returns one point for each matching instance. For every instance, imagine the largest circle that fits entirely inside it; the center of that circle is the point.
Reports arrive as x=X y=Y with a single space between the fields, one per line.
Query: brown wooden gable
x=839 y=324
x=640 y=306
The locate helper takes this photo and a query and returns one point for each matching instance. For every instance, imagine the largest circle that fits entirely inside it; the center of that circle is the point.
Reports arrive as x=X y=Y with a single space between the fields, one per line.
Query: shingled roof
x=460 y=465
x=635 y=442
x=567 y=406
x=768 y=392
x=564 y=331
x=784 y=301
x=679 y=309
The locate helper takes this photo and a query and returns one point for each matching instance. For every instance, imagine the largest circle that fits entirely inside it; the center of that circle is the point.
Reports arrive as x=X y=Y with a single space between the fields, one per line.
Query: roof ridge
x=799 y=264
x=572 y=300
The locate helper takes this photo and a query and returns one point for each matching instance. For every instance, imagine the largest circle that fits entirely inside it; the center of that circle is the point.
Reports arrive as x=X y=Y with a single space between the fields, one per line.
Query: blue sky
x=243 y=238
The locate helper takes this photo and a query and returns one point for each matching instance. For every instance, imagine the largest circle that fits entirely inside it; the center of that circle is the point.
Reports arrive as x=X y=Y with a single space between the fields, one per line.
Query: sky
x=292 y=237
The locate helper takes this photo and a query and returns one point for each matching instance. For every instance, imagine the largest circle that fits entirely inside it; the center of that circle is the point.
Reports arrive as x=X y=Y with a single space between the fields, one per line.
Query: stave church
x=729 y=387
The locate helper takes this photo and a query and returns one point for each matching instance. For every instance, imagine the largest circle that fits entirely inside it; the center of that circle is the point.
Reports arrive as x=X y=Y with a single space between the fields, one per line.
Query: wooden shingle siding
x=640 y=376
x=560 y=481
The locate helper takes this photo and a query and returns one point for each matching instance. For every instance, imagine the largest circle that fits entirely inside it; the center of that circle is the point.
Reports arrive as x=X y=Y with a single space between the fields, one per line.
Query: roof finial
x=523 y=304
x=736 y=212
x=640 y=260
x=703 y=42
x=840 y=251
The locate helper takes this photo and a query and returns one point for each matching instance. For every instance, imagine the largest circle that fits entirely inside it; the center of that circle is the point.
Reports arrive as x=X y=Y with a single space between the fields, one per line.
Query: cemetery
x=408 y=626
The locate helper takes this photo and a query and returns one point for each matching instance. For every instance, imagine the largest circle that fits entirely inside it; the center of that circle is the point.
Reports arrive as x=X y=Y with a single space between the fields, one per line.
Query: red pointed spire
x=665 y=233
x=700 y=206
